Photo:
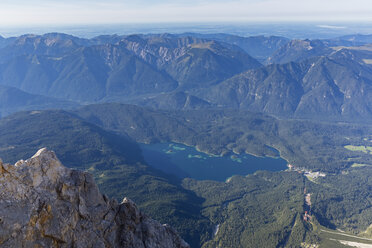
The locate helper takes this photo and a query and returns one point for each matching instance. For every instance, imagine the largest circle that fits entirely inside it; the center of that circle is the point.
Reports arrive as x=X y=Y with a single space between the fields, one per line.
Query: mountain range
x=307 y=101
x=59 y=66
x=324 y=79
x=336 y=86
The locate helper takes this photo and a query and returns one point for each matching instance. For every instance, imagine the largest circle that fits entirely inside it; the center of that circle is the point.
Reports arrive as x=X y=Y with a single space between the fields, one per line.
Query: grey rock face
x=44 y=204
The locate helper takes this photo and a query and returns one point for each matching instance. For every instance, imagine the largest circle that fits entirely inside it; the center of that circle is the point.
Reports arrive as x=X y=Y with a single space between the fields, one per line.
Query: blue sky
x=53 y=12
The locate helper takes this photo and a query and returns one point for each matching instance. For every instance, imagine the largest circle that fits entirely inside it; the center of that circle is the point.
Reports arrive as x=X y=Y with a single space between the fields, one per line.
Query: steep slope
x=259 y=47
x=207 y=64
x=72 y=68
x=339 y=85
x=53 y=206
x=81 y=144
x=108 y=71
x=334 y=87
x=273 y=89
x=191 y=61
x=298 y=50
x=86 y=74
x=146 y=125
x=13 y=100
x=182 y=72
x=158 y=50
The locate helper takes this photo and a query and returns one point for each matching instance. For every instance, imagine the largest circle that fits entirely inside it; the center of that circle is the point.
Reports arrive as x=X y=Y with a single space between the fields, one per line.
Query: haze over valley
x=236 y=124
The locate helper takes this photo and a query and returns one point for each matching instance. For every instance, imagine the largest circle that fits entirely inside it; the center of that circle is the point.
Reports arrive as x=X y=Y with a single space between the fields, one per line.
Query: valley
x=231 y=140
x=198 y=206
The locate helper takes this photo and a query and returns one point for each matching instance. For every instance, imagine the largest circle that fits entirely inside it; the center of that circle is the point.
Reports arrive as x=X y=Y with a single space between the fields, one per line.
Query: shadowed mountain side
x=81 y=70
x=87 y=74
x=336 y=87
x=115 y=161
x=14 y=100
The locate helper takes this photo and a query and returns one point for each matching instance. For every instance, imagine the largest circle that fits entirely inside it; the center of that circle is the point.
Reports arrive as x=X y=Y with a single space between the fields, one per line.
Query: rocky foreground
x=44 y=204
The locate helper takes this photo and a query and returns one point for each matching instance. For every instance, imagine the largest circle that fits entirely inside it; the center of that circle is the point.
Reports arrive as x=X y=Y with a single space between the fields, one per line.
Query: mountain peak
x=43 y=152
x=45 y=204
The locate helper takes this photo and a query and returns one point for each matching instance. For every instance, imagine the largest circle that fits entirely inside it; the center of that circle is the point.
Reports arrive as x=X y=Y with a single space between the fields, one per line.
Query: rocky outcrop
x=44 y=204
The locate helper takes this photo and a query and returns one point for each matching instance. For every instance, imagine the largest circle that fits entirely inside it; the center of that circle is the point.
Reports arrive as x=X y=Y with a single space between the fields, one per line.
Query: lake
x=185 y=161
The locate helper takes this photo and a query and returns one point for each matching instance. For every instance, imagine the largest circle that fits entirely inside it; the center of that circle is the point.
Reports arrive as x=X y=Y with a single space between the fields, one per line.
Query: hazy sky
x=31 y=12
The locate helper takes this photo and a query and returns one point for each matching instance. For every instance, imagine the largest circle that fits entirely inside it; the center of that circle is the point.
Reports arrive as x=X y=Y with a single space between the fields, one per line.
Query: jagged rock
x=44 y=204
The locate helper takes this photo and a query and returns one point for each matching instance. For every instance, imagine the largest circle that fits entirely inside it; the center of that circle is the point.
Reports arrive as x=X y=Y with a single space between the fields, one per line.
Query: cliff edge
x=44 y=204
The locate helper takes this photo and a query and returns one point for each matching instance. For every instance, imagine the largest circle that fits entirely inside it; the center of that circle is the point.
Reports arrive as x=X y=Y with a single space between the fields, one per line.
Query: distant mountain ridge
x=298 y=50
x=333 y=87
x=260 y=47
x=86 y=74
x=302 y=78
x=190 y=60
x=66 y=67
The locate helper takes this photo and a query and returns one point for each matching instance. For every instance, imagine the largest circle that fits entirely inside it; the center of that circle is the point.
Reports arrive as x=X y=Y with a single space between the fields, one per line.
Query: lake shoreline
x=188 y=161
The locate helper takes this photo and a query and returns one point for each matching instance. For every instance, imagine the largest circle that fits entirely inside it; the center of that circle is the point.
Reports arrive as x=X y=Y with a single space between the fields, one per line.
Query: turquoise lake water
x=184 y=161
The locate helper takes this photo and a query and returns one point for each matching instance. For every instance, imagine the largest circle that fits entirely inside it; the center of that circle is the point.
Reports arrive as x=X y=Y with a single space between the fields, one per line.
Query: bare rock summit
x=44 y=204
